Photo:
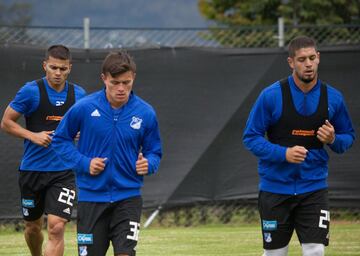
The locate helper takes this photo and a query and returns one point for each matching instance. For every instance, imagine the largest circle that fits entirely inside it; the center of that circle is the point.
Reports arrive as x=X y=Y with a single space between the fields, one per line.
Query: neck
x=57 y=88
x=117 y=105
x=303 y=86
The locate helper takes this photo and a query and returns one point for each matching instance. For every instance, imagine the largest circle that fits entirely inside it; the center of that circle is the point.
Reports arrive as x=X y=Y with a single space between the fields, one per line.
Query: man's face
x=305 y=64
x=118 y=88
x=57 y=71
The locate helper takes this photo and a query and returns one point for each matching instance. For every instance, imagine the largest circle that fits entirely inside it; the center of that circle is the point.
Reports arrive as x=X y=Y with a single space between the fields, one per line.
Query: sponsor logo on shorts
x=83 y=250
x=25 y=211
x=28 y=203
x=269 y=224
x=85 y=238
x=136 y=123
x=267 y=237
x=67 y=210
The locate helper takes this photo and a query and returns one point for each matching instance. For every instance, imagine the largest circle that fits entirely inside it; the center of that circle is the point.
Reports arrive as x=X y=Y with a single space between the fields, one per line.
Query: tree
x=253 y=23
x=295 y=12
x=15 y=14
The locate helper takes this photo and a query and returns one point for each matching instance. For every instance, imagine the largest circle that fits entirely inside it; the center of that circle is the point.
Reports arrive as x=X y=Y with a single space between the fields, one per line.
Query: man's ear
x=290 y=62
x=44 y=65
x=70 y=66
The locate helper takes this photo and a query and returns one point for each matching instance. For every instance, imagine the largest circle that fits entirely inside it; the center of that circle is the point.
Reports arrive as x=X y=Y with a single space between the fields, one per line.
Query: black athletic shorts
x=307 y=213
x=100 y=223
x=47 y=192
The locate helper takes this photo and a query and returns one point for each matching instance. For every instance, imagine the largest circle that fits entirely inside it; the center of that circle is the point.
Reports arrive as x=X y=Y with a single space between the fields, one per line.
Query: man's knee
x=33 y=227
x=56 y=228
x=277 y=252
x=312 y=249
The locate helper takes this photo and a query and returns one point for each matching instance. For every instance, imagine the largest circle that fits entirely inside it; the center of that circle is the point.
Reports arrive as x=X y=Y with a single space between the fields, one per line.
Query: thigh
x=276 y=219
x=60 y=194
x=125 y=225
x=312 y=218
x=32 y=194
x=93 y=228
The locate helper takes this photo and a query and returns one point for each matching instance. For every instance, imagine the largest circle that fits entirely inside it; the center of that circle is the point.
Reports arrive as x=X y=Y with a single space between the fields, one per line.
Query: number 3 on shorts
x=134 y=228
x=325 y=217
x=67 y=196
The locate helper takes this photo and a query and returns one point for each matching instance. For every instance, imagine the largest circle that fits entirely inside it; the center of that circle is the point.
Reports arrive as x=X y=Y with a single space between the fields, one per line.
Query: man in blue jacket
x=119 y=144
x=300 y=116
x=46 y=184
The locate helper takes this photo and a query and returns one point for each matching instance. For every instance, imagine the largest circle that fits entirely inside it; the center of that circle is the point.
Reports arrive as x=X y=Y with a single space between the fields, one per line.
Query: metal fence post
x=86 y=33
x=281 y=32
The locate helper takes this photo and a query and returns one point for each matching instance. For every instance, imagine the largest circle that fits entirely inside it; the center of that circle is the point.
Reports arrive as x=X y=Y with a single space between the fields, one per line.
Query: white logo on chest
x=95 y=113
x=136 y=123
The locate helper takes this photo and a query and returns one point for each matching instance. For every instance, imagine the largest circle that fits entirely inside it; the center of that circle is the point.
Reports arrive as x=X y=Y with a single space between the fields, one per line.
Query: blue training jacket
x=117 y=134
x=276 y=174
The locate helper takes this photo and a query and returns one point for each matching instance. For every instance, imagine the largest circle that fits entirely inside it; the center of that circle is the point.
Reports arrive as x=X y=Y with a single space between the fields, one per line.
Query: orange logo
x=53 y=118
x=303 y=132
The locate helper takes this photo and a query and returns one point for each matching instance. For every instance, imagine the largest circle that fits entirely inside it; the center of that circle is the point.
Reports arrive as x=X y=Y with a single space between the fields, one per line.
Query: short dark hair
x=300 y=42
x=117 y=63
x=58 y=51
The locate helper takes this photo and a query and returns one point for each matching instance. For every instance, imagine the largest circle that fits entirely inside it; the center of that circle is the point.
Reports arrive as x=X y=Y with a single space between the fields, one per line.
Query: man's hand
x=42 y=138
x=142 y=165
x=326 y=133
x=97 y=165
x=296 y=154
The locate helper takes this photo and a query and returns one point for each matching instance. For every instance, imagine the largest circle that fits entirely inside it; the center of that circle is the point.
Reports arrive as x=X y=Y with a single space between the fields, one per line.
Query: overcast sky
x=117 y=13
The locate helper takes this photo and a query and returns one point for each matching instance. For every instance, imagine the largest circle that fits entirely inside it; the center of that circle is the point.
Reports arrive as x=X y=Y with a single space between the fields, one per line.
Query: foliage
x=295 y=12
x=15 y=14
x=244 y=20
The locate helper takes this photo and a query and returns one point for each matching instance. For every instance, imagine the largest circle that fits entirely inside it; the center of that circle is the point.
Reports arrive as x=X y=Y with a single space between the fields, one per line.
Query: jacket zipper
x=115 y=119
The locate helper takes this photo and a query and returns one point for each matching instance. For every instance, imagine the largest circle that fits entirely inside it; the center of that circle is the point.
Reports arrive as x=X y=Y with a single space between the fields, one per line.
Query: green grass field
x=242 y=239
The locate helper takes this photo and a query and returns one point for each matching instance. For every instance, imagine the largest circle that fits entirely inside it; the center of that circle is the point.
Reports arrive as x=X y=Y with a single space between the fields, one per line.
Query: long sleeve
x=63 y=141
x=344 y=131
x=151 y=146
x=261 y=117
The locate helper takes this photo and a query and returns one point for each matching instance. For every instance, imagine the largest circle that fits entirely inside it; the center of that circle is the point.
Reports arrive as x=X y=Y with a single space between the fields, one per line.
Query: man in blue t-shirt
x=290 y=126
x=46 y=184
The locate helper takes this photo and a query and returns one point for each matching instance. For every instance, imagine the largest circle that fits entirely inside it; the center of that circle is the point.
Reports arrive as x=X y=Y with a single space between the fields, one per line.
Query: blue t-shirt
x=26 y=101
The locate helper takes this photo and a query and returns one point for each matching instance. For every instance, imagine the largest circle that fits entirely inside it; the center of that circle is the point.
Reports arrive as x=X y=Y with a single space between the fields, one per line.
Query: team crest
x=25 y=211
x=83 y=250
x=267 y=237
x=136 y=123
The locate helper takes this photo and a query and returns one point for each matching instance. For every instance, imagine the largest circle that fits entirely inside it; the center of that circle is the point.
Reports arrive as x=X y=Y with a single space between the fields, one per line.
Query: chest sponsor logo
x=269 y=224
x=136 y=123
x=95 y=113
x=53 y=118
x=85 y=238
x=28 y=203
x=303 y=133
